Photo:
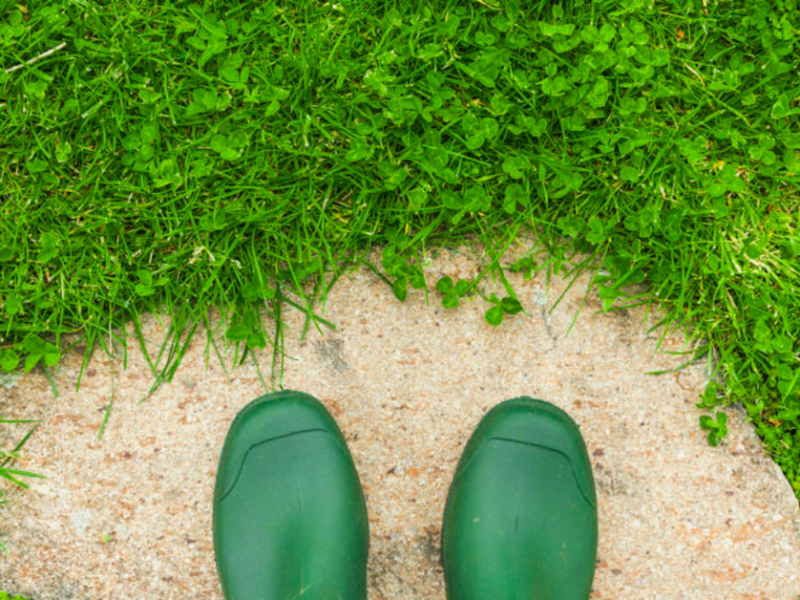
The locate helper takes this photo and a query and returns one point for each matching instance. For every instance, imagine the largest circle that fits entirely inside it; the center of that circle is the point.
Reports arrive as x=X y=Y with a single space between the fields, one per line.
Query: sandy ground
x=129 y=516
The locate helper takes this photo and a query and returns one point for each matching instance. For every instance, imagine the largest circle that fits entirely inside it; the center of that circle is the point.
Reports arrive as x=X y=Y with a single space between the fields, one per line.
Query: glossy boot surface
x=290 y=520
x=521 y=517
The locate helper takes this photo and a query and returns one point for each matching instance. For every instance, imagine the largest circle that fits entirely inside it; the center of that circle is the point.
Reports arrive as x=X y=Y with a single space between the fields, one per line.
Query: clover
x=478 y=130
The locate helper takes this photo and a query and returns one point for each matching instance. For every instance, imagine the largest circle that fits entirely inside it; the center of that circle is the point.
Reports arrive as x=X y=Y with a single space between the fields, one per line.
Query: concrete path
x=130 y=516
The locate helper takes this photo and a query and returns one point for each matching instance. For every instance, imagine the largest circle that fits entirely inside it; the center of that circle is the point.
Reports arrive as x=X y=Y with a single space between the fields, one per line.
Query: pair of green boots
x=290 y=519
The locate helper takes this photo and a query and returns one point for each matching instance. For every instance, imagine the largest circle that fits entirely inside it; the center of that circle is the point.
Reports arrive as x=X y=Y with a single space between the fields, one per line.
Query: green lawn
x=185 y=156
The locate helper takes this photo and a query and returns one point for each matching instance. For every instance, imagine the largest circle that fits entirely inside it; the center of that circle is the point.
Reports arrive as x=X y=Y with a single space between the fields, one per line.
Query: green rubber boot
x=521 y=517
x=290 y=519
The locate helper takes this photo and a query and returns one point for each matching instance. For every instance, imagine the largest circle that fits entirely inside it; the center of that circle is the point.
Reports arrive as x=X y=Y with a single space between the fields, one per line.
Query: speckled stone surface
x=129 y=516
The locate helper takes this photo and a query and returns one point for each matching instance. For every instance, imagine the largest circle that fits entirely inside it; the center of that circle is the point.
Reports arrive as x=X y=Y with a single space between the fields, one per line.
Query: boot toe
x=289 y=517
x=521 y=519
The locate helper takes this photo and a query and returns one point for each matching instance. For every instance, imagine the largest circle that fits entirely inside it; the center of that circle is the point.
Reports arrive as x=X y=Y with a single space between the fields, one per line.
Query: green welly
x=290 y=519
x=521 y=517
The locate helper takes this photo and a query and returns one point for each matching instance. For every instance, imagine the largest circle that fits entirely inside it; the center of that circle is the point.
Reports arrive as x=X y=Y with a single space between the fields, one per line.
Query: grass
x=7 y=458
x=224 y=154
x=7 y=596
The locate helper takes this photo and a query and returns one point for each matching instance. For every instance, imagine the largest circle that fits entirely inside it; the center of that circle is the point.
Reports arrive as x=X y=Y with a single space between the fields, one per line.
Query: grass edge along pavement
x=181 y=156
x=7 y=459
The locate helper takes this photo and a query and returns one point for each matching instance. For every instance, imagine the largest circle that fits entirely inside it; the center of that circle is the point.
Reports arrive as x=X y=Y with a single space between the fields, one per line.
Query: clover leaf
x=515 y=195
x=37 y=165
x=717 y=429
x=781 y=107
x=530 y=124
x=229 y=147
x=49 y=245
x=476 y=198
x=598 y=96
x=478 y=130
x=494 y=316
x=485 y=39
x=37 y=349
x=451 y=293
x=515 y=164
x=149 y=96
x=13 y=304
x=146 y=285
x=9 y=360
x=359 y=150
